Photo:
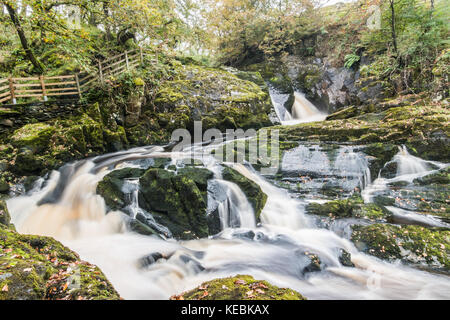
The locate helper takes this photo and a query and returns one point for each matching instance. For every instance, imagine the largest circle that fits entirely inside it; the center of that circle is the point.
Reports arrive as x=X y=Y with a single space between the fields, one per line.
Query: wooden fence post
x=126 y=60
x=11 y=90
x=44 y=94
x=101 y=71
x=77 y=80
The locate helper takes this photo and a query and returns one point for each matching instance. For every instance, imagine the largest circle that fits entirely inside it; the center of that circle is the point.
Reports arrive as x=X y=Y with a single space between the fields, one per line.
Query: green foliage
x=350 y=60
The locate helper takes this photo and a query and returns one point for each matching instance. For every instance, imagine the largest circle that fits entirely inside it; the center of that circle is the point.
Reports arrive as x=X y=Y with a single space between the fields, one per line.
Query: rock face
x=42 y=146
x=175 y=201
x=411 y=244
x=240 y=287
x=217 y=97
x=423 y=129
x=38 y=268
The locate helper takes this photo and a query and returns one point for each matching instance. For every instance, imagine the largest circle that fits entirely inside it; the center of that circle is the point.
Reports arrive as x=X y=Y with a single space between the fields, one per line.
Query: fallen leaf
x=239 y=281
x=5 y=288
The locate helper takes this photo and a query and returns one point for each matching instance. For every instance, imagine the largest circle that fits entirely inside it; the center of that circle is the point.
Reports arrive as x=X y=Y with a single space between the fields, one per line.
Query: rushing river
x=65 y=205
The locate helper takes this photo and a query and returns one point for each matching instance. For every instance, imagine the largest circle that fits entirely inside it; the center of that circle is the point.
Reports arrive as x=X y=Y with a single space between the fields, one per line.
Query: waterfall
x=273 y=250
x=352 y=164
x=302 y=110
x=408 y=164
x=235 y=211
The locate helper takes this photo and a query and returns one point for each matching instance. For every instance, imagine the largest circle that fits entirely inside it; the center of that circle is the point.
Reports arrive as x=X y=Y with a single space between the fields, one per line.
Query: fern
x=350 y=60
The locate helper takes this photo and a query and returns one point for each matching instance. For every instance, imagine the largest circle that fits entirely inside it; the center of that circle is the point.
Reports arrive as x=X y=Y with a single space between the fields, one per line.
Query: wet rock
x=389 y=171
x=240 y=287
x=345 y=259
x=175 y=201
x=4 y=186
x=111 y=187
x=153 y=258
x=253 y=192
x=390 y=127
x=442 y=177
x=410 y=244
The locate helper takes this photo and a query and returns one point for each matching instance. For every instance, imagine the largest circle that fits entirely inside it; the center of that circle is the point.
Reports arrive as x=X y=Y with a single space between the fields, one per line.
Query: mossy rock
x=240 y=287
x=424 y=128
x=110 y=188
x=252 y=191
x=41 y=268
x=177 y=201
x=40 y=147
x=199 y=93
x=441 y=178
x=410 y=244
x=5 y=218
x=353 y=207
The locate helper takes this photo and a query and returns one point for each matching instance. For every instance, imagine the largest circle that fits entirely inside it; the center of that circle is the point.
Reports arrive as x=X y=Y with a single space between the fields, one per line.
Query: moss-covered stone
x=240 y=287
x=38 y=268
x=442 y=177
x=411 y=244
x=211 y=95
x=353 y=207
x=253 y=192
x=110 y=188
x=177 y=201
x=44 y=146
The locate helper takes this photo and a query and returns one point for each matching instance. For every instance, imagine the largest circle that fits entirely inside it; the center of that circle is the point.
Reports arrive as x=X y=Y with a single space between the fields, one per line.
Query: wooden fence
x=43 y=87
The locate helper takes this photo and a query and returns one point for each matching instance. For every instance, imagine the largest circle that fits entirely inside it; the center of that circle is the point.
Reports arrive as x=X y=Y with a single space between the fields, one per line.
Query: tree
x=393 y=34
x=23 y=39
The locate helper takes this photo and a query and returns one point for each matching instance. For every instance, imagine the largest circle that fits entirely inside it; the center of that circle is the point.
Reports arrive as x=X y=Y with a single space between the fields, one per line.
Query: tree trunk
x=107 y=26
x=23 y=39
x=394 y=36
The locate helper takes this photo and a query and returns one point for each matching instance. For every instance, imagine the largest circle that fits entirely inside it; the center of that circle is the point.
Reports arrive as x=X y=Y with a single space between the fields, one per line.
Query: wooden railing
x=43 y=87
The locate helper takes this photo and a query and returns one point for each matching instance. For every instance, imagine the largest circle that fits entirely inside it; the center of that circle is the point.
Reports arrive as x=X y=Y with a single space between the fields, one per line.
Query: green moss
x=240 y=287
x=411 y=244
x=177 y=201
x=35 y=268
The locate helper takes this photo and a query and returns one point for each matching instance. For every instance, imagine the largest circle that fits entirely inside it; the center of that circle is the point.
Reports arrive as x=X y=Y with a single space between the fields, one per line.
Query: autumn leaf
x=239 y=281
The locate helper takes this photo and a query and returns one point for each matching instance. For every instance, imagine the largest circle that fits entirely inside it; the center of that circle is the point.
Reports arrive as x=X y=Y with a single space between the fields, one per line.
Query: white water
x=409 y=168
x=303 y=111
x=79 y=220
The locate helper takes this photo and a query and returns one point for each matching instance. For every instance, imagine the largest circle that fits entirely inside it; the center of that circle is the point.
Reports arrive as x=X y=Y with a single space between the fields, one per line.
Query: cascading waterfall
x=409 y=168
x=235 y=211
x=274 y=250
x=302 y=110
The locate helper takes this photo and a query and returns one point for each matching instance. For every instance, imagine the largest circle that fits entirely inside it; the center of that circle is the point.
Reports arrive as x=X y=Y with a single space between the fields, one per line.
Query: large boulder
x=217 y=97
x=47 y=145
x=176 y=201
x=240 y=287
x=41 y=268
